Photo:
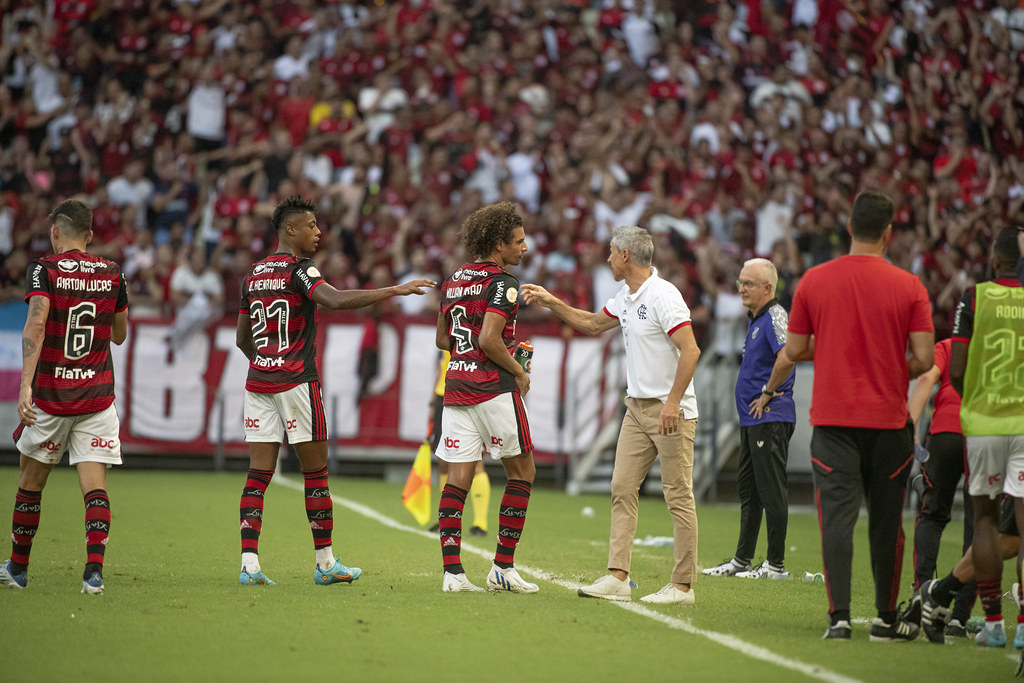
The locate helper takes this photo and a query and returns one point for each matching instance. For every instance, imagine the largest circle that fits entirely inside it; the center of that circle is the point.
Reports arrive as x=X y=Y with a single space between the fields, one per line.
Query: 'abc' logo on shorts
x=451 y=443
x=291 y=425
x=495 y=441
x=252 y=423
x=109 y=444
x=49 y=447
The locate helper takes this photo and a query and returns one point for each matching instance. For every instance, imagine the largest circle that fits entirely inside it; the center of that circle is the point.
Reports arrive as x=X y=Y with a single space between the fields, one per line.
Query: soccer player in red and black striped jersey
x=483 y=393
x=77 y=305
x=276 y=331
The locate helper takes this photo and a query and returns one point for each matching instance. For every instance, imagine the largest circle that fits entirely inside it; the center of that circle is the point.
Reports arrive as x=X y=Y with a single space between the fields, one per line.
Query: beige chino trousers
x=639 y=443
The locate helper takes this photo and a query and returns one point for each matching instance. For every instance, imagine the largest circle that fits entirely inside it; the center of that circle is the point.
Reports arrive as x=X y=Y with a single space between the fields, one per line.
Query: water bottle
x=524 y=354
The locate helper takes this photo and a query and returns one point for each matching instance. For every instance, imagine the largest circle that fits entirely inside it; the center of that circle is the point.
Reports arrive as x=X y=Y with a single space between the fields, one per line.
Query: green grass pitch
x=173 y=611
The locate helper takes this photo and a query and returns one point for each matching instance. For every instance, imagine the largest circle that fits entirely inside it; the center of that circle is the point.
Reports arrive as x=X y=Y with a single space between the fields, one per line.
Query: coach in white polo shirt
x=661 y=409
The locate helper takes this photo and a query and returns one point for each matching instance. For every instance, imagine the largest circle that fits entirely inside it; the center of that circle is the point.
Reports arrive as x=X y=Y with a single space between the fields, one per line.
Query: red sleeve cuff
x=961 y=340
x=500 y=312
x=673 y=330
x=609 y=313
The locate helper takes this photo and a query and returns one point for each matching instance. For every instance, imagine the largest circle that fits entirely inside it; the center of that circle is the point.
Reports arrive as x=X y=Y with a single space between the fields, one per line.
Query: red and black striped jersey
x=75 y=375
x=277 y=297
x=473 y=290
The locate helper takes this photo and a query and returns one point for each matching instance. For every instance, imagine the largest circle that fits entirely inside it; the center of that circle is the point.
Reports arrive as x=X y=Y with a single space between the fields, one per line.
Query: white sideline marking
x=724 y=639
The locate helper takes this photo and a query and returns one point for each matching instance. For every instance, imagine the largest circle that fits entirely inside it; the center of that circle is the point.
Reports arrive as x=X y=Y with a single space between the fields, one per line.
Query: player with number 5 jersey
x=277 y=321
x=77 y=306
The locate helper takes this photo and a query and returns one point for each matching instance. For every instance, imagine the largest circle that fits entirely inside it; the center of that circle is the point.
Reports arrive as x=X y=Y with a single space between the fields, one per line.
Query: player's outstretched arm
x=576 y=318
x=347 y=299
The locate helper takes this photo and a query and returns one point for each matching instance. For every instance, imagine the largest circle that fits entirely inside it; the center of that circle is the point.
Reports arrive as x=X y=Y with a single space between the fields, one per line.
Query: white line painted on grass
x=724 y=639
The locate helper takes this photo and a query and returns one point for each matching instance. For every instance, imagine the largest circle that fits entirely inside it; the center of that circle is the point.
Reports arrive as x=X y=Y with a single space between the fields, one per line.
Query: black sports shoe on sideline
x=901 y=630
x=933 y=615
x=955 y=629
x=477 y=531
x=434 y=528
x=913 y=611
x=838 y=631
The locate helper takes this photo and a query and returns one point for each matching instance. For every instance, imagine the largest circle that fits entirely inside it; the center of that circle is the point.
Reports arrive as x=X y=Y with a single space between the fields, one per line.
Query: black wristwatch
x=764 y=390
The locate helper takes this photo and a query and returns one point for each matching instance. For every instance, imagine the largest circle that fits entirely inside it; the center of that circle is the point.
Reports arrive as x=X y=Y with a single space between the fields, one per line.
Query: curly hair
x=289 y=207
x=489 y=225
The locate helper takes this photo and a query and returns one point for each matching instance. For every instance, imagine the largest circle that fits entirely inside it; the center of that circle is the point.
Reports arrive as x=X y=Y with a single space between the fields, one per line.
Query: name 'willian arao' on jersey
x=471 y=291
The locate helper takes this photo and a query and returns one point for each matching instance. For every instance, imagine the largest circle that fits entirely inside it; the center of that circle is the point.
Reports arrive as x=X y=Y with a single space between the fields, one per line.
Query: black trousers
x=763 y=488
x=947 y=463
x=853 y=464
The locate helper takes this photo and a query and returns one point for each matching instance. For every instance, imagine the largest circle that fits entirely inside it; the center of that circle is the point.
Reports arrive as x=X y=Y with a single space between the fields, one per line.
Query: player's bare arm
x=799 y=347
x=119 y=330
x=243 y=336
x=494 y=348
x=31 y=347
x=586 y=322
x=922 y=353
x=920 y=394
x=441 y=336
x=348 y=299
x=689 y=352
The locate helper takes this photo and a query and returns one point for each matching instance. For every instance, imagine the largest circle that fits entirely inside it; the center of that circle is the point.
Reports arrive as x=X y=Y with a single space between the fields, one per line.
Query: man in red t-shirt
x=856 y=317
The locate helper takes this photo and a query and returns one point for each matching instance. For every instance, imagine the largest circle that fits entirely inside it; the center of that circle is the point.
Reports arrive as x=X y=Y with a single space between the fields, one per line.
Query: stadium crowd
x=730 y=129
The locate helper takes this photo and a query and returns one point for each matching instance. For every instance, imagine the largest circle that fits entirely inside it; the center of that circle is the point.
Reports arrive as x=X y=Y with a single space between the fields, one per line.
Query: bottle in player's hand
x=524 y=354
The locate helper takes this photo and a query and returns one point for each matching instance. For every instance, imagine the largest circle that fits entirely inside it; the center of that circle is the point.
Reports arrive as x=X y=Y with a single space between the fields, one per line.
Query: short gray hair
x=636 y=241
x=770 y=271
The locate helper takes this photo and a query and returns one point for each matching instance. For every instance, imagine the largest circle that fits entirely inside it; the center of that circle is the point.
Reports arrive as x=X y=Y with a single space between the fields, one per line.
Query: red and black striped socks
x=97 y=530
x=511 y=518
x=319 y=509
x=449 y=523
x=991 y=594
x=27 y=505
x=250 y=509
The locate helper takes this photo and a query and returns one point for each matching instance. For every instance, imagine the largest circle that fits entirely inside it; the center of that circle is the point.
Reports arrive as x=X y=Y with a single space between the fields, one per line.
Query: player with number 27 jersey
x=473 y=290
x=277 y=296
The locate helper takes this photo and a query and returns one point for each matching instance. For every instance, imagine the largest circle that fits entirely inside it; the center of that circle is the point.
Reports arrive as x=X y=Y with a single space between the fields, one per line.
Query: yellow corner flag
x=416 y=494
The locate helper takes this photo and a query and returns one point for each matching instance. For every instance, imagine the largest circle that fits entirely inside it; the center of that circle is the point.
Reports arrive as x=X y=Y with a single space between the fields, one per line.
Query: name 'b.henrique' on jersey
x=276 y=295
x=471 y=291
x=75 y=375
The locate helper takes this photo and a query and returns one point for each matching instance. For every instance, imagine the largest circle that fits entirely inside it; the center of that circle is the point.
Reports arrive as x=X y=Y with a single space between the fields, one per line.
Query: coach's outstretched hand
x=413 y=287
x=537 y=294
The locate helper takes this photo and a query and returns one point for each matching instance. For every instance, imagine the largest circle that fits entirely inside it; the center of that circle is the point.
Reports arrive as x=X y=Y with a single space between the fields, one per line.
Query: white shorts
x=298 y=412
x=997 y=465
x=497 y=427
x=92 y=437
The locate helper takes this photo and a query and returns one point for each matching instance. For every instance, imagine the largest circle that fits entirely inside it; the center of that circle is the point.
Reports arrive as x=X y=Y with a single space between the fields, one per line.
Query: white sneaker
x=607 y=587
x=670 y=595
x=727 y=568
x=764 y=571
x=458 y=583
x=499 y=579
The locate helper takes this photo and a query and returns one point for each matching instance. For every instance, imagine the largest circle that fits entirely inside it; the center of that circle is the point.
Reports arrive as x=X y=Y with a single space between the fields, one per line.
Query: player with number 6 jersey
x=77 y=306
x=277 y=321
x=484 y=387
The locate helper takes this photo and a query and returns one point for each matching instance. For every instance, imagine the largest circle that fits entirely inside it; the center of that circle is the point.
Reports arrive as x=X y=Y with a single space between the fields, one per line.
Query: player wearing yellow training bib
x=985 y=369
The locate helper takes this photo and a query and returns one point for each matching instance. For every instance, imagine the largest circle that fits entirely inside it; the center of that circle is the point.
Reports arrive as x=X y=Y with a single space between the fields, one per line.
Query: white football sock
x=251 y=562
